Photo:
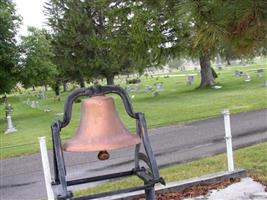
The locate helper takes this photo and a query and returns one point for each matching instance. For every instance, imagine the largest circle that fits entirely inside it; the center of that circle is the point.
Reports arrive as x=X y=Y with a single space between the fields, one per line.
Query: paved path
x=22 y=178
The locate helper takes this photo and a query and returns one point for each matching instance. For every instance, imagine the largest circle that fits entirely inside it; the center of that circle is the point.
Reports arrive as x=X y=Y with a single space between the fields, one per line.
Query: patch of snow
x=246 y=189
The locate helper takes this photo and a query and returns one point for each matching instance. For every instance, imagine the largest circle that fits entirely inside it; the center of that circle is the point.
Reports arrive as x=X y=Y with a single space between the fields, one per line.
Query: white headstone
x=265 y=83
x=10 y=127
x=217 y=87
x=137 y=87
x=159 y=87
x=247 y=77
x=33 y=105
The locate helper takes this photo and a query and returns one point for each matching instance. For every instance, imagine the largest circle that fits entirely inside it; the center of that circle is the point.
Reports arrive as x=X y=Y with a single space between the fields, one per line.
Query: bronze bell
x=100 y=129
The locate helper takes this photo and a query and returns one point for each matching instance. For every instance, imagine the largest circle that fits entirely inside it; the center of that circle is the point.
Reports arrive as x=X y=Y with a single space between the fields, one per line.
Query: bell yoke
x=101 y=130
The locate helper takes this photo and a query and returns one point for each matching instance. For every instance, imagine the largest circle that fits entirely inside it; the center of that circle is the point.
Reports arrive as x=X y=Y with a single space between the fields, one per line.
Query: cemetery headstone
x=247 y=77
x=238 y=73
x=260 y=72
x=155 y=93
x=217 y=87
x=265 y=83
x=220 y=68
x=147 y=89
x=10 y=127
x=33 y=104
x=59 y=114
x=137 y=87
x=37 y=104
x=182 y=68
x=159 y=87
x=41 y=95
x=190 y=80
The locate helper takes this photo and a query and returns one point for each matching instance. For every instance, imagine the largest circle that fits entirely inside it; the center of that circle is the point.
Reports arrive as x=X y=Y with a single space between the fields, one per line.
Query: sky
x=32 y=14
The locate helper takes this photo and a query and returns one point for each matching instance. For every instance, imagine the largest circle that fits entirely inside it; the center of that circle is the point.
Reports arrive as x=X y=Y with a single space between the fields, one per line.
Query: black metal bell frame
x=148 y=173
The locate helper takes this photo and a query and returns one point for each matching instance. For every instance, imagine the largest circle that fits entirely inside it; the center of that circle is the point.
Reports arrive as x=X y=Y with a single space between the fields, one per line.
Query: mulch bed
x=198 y=190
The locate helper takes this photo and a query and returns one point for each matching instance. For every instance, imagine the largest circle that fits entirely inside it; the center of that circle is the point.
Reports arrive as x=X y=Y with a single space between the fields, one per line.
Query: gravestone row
x=246 y=76
x=32 y=104
x=158 y=87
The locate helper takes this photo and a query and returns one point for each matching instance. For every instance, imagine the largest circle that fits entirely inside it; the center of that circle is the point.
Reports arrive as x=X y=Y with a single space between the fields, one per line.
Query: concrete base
x=10 y=130
x=246 y=189
x=181 y=185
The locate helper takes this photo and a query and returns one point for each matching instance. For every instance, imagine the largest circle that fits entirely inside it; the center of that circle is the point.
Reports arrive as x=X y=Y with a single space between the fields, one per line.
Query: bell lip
x=97 y=147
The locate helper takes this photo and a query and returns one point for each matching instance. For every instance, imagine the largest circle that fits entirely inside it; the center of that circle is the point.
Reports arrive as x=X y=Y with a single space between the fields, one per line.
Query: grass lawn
x=178 y=103
x=253 y=159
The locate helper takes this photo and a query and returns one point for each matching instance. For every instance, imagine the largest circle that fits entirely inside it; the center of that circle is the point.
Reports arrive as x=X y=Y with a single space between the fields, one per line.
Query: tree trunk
x=207 y=72
x=57 y=89
x=110 y=79
x=64 y=86
x=33 y=88
x=45 y=87
x=82 y=83
x=227 y=58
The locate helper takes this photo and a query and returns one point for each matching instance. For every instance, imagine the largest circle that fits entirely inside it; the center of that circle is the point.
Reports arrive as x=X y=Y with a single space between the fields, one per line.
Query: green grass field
x=178 y=103
x=253 y=159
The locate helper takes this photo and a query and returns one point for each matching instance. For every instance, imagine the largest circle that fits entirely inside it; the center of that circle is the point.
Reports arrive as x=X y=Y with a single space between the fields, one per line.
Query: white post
x=46 y=168
x=228 y=139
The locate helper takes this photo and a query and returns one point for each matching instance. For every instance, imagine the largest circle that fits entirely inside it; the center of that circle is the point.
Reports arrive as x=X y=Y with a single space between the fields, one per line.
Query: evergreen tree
x=201 y=29
x=104 y=38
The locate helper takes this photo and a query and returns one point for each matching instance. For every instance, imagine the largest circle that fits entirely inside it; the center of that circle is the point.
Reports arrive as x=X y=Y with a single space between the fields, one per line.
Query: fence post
x=228 y=139
x=46 y=168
